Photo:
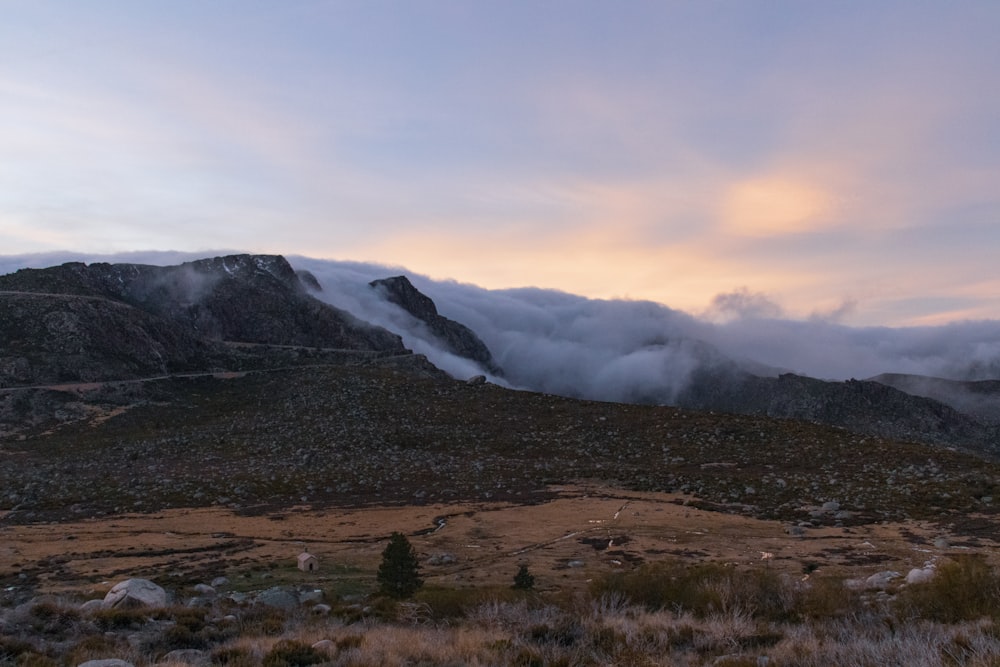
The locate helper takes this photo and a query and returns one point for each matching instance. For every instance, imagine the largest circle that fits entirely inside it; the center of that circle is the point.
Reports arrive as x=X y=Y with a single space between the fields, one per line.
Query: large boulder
x=136 y=593
x=279 y=598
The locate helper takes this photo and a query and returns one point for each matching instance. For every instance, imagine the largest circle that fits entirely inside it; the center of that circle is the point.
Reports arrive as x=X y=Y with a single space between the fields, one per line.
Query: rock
x=442 y=559
x=107 y=662
x=476 y=380
x=453 y=336
x=920 y=575
x=92 y=605
x=831 y=506
x=188 y=656
x=321 y=609
x=881 y=579
x=204 y=590
x=219 y=582
x=136 y=593
x=315 y=595
x=279 y=598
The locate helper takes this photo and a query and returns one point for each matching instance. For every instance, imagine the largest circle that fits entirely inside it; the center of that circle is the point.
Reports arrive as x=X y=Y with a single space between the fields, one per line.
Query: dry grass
x=603 y=627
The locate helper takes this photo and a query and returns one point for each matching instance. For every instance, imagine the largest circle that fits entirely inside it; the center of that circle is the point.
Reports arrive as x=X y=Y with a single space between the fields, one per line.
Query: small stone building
x=308 y=562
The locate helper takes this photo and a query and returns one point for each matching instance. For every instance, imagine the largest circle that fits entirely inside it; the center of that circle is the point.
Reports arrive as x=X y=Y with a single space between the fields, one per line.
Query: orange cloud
x=771 y=205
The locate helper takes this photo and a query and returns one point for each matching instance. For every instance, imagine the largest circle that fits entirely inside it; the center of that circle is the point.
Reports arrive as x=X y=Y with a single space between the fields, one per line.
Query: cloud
x=768 y=205
x=743 y=304
x=621 y=350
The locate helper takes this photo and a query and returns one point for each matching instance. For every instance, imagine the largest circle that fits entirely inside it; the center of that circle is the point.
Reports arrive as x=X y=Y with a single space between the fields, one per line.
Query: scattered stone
x=831 y=506
x=920 y=575
x=188 y=656
x=279 y=598
x=219 y=582
x=442 y=559
x=321 y=609
x=107 y=662
x=476 y=380
x=204 y=590
x=881 y=579
x=136 y=593
x=92 y=605
x=315 y=595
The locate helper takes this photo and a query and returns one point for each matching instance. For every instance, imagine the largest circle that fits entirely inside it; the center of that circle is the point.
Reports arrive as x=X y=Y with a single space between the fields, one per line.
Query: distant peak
x=400 y=291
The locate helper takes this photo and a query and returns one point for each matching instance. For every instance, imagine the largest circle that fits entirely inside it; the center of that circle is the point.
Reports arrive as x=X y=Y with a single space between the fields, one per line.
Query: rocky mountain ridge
x=85 y=323
x=79 y=323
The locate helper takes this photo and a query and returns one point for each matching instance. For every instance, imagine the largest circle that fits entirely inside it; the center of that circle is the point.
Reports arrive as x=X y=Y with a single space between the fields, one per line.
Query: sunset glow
x=814 y=154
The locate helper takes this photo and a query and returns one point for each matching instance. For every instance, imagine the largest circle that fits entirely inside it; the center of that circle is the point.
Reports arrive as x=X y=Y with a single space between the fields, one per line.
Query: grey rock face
x=457 y=338
x=88 y=323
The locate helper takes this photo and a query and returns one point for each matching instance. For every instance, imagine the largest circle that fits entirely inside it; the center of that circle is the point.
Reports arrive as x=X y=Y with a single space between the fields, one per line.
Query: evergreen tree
x=399 y=573
x=524 y=580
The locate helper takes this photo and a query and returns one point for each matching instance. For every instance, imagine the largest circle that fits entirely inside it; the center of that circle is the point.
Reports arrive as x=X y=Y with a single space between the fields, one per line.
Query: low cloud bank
x=561 y=343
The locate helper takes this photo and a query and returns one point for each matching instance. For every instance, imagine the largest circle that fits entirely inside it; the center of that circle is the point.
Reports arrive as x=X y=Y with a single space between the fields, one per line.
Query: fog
x=561 y=343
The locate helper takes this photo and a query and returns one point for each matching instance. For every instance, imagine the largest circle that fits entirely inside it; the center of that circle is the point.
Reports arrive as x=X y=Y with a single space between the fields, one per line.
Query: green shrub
x=825 y=598
x=292 y=653
x=96 y=647
x=701 y=589
x=120 y=619
x=233 y=656
x=11 y=648
x=262 y=620
x=451 y=603
x=524 y=580
x=963 y=589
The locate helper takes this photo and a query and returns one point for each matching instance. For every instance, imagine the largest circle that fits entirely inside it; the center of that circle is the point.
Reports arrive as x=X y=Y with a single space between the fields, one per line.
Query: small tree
x=524 y=580
x=399 y=573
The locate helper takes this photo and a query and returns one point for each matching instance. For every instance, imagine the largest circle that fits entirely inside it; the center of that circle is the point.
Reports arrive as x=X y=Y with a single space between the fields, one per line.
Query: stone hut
x=308 y=562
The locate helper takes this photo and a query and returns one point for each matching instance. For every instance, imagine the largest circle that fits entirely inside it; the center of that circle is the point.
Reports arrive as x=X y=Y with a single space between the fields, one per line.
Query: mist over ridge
x=619 y=350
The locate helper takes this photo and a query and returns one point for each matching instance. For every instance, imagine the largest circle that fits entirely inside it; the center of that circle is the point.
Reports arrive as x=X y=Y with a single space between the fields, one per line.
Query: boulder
x=136 y=593
x=108 y=662
x=279 y=598
x=920 y=575
x=92 y=605
x=881 y=579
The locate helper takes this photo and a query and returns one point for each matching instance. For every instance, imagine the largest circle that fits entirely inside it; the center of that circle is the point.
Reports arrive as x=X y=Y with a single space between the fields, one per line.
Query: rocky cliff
x=455 y=337
x=79 y=322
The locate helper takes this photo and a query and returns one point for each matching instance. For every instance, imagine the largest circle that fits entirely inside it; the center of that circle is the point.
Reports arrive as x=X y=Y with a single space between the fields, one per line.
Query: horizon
x=561 y=342
x=822 y=161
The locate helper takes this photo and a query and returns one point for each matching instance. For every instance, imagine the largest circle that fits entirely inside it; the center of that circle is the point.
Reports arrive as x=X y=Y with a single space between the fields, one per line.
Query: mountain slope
x=119 y=321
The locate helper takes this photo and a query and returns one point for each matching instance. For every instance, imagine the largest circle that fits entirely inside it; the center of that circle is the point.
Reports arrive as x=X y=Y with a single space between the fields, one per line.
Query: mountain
x=866 y=407
x=98 y=323
x=979 y=399
x=78 y=322
x=454 y=337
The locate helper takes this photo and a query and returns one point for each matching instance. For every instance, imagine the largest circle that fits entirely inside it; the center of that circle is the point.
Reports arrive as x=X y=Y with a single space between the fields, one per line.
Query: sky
x=834 y=161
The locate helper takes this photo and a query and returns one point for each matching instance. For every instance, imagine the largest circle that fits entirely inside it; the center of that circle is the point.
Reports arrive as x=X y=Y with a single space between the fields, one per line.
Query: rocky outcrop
x=454 y=336
x=83 y=323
